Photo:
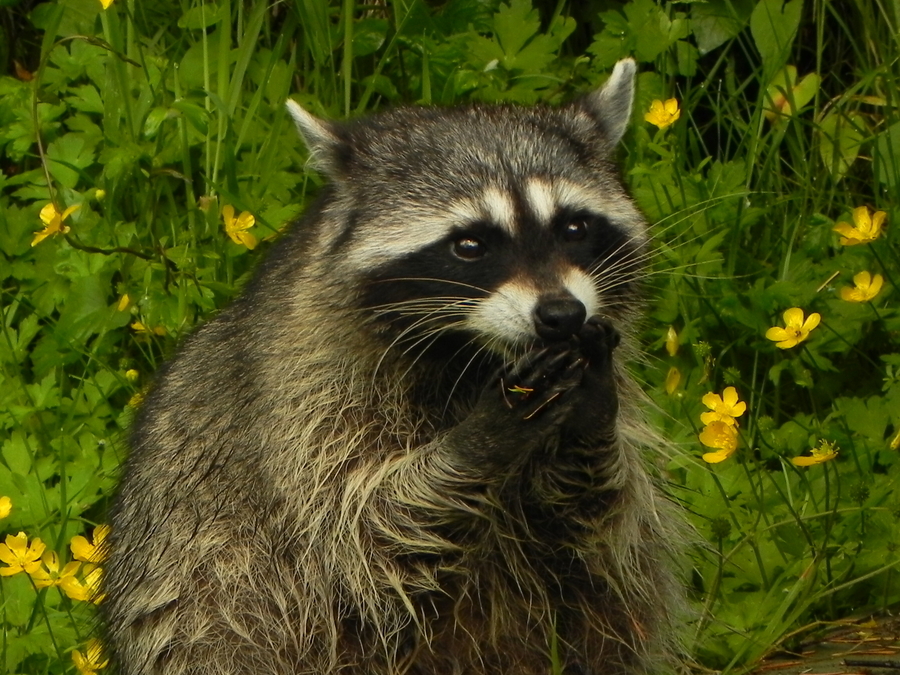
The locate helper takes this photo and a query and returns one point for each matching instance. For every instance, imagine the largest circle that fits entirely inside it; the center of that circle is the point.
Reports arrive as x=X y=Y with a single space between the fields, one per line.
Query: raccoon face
x=502 y=224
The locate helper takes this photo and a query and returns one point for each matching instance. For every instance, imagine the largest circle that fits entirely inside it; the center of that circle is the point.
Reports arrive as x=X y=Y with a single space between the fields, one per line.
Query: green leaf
x=773 y=25
x=887 y=156
x=68 y=155
x=716 y=21
x=16 y=454
x=839 y=139
x=515 y=24
x=200 y=17
x=368 y=36
x=196 y=115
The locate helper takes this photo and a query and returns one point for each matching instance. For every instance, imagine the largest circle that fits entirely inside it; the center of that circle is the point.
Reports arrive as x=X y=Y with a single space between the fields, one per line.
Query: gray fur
x=298 y=499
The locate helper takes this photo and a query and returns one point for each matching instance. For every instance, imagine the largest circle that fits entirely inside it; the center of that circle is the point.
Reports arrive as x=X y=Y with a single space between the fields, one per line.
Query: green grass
x=153 y=116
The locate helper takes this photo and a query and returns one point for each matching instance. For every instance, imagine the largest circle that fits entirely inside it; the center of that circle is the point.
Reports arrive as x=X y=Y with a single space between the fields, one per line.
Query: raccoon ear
x=611 y=104
x=320 y=137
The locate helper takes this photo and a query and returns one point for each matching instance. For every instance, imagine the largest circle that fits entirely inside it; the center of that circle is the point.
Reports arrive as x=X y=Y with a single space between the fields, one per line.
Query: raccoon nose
x=557 y=318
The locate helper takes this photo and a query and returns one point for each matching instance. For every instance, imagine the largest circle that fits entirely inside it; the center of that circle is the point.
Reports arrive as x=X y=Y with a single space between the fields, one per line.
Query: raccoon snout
x=558 y=318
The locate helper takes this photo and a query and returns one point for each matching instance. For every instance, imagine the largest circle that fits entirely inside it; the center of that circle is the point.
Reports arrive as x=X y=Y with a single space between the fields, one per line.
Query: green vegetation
x=142 y=122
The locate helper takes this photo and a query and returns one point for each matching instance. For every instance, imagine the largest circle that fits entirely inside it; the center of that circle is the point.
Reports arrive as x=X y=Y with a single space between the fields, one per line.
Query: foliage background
x=154 y=116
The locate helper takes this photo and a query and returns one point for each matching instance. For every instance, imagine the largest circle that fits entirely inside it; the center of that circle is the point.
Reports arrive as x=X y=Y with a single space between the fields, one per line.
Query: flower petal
x=804 y=461
x=711 y=400
x=811 y=322
x=861 y=217
x=716 y=457
x=50 y=215
x=875 y=287
x=793 y=317
x=228 y=215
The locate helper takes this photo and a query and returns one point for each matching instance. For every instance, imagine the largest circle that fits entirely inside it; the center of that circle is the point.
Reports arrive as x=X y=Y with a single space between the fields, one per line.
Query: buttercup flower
x=106 y=3
x=673 y=341
x=124 y=303
x=868 y=227
x=53 y=222
x=142 y=329
x=796 y=329
x=5 y=507
x=721 y=436
x=82 y=549
x=92 y=660
x=823 y=452
x=93 y=574
x=866 y=287
x=673 y=379
x=236 y=228
x=19 y=556
x=724 y=408
x=49 y=574
x=663 y=114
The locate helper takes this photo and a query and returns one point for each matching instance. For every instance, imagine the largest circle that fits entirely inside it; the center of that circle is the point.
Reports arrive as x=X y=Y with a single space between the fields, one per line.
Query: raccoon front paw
x=519 y=408
x=537 y=383
x=596 y=402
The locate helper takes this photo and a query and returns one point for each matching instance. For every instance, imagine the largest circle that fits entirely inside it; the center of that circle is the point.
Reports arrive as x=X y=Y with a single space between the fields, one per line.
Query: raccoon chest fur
x=425 y=454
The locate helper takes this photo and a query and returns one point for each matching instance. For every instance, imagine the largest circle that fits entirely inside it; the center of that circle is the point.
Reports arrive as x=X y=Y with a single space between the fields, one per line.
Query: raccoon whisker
x=482 y=349
x=450 y=282
x=679 y=216
x=412 y=332
x=431 y=336
x=422 y=305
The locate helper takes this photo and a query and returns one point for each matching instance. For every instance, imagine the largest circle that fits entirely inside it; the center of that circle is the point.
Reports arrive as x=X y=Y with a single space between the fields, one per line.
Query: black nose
x=557 y=318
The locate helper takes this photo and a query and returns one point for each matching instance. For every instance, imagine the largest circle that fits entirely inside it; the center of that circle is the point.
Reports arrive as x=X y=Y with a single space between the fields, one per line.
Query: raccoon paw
x=519 y=409
x=596 y=401
x=536 y=385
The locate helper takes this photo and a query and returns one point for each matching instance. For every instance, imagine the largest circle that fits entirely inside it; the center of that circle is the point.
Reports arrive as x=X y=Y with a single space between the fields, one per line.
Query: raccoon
x=410 y=446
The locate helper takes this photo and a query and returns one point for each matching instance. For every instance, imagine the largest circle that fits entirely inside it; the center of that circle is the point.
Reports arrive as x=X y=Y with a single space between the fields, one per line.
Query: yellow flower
x=796 y=329
x=106 y=3
x=95 y=552
x=866 y=287
x=673 y=379
x=49 y=574
x=132 y=375
x=823 y=452
x=19 y=556
x=724 y=408
x=868 y=227
x=53 y=222
x=663 y=114
x=135 y=401
x=141 y=329
x=672 y=341
x=93 y=575
x=721 y=436
x=92 y=660
x=5 y=507
x=236 y=228
x=124 y=303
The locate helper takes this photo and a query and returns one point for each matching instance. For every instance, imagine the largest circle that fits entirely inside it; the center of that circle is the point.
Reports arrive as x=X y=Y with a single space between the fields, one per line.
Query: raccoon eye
x=575 y=230
x=468 y=248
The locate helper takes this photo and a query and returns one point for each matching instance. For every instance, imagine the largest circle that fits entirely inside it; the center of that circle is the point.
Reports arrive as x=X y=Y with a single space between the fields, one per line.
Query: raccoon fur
x=411 y=446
